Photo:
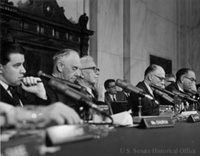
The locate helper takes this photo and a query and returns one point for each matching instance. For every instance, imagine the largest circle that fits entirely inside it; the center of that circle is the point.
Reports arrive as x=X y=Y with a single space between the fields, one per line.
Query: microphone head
x=40 y=73
x=121 y=83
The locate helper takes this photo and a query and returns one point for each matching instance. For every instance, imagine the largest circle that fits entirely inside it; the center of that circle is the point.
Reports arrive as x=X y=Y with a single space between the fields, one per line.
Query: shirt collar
x=180 y=88
x=112 y=96
x=4 y=85
x=149 y=88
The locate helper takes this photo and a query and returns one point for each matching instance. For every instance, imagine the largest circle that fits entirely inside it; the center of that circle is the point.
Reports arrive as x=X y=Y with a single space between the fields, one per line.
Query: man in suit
x=111 y=94
x=116 y=99
x=89 y=79
x=154 y=74
x=67 y=67
x=185 y=80
x=12 y=75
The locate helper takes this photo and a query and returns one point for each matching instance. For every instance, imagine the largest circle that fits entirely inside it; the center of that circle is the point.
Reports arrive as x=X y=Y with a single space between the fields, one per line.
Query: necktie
x=94 y=93
x=14 y=95
x=114 y=98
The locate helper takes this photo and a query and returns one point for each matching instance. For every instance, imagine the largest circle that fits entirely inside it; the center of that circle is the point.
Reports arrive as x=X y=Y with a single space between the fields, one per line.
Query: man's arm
x=34 y=85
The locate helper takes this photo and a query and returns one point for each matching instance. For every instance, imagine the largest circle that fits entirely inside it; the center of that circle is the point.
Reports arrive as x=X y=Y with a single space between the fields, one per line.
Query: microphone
x=193 y=93
x=134 y=89
x=174 y=93
x=164 y=96
x=71 y=92
x=184 y=96
x=75 y=86
x=163 y=90
x=65 y=89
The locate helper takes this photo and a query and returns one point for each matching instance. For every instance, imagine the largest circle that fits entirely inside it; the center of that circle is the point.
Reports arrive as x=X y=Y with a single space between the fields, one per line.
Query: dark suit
x=174 y=87
x=26 y=98
x=55 y=96
x=120 y=96
x=121 y=104
x=148 y=107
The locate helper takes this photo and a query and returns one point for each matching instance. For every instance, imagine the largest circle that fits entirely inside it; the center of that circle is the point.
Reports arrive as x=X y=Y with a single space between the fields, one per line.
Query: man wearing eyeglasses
x=112 y=94
x=89 y=78
x=185 y=80
x=154 y=75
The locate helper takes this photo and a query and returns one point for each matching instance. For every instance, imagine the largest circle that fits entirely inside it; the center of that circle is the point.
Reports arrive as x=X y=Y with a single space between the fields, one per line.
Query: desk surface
x=182 y=139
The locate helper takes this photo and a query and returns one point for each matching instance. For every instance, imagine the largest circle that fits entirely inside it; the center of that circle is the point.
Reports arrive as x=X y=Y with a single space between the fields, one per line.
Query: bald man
x=155 y=75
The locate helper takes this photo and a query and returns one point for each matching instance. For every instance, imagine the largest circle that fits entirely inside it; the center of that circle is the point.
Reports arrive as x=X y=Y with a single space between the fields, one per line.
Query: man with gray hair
x=89 y=78
x=67 y=67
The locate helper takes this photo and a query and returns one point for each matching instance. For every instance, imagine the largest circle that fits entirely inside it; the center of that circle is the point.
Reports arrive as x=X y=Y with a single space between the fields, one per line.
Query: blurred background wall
x=127 y=32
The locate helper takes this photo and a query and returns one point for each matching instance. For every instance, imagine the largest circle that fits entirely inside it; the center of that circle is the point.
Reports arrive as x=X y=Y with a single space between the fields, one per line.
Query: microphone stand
x=140 y=107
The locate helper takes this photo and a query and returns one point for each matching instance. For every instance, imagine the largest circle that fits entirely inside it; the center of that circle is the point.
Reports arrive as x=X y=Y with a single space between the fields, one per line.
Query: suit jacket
x=172 y=87
x=148 y=107
x=120 y=96
x=26 y=98
x=56 y=96
x=117 y=107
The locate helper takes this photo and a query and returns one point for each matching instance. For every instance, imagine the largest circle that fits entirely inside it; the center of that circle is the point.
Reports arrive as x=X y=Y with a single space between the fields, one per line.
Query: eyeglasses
x=113 y=87
x=95 y=69
x=160 y=78
x=191 y=79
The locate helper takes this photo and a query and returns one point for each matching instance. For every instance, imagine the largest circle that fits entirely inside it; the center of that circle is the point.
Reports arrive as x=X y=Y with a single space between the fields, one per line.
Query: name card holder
x=56 y=135
x=193 y=118
x=156 y=122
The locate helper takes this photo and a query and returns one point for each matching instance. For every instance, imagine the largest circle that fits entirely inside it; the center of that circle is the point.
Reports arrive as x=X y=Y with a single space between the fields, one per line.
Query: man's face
x=13 y=72
x=188 y=80
x=71 y=67
x=158 y=77
x=112 y=88
x=90 y=73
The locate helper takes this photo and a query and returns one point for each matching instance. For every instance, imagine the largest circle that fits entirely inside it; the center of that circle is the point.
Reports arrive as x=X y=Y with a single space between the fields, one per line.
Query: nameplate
x=156 y=122
x=67 y=133
x=193 y=118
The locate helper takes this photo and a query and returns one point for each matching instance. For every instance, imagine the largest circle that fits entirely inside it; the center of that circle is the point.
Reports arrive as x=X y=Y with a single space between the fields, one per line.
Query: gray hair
x=85 y=59
x=62 y=53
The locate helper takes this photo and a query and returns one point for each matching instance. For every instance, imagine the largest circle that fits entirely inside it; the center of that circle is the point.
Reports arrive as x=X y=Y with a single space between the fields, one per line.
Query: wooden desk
x=182 y=139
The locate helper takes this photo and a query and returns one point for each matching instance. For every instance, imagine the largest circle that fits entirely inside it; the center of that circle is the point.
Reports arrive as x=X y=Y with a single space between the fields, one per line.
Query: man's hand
x=59 y=113
x=41 y=116
x=34 y=85
x=100 y=91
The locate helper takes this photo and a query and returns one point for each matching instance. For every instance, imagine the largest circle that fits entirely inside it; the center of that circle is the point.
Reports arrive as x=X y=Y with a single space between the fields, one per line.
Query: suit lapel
x=147 y=90
x=5 y=97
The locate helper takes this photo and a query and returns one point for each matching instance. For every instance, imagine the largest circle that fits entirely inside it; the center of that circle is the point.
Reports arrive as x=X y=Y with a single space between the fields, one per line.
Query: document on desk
x=123 y=119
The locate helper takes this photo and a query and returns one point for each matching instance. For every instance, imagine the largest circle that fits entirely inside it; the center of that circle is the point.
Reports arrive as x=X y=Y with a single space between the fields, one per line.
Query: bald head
x=155 y=74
